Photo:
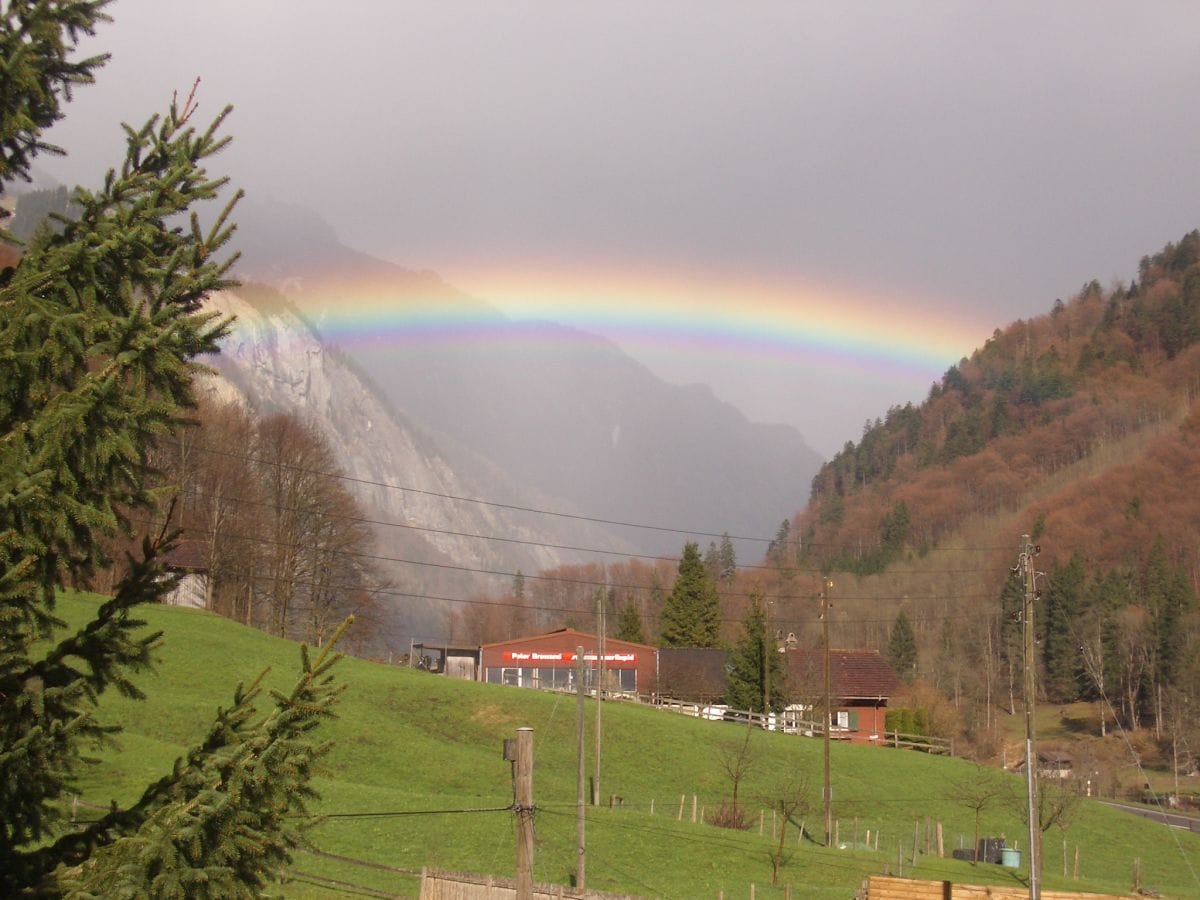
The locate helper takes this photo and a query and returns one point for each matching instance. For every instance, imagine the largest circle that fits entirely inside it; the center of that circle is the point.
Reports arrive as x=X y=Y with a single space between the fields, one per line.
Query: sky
x=815 y=208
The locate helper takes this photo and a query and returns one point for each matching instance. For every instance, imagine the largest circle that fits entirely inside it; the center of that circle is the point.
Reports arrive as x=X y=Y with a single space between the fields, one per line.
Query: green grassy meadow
x=416 y=778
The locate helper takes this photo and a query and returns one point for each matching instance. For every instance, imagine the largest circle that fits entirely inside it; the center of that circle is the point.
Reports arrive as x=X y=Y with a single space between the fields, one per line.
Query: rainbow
x=726 y=321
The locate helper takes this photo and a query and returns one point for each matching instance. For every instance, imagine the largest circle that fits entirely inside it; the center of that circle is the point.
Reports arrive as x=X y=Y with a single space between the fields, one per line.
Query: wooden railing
x=790 y=723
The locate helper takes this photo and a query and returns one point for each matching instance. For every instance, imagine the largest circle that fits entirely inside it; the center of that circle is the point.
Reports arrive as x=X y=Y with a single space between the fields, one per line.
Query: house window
x=846 y=720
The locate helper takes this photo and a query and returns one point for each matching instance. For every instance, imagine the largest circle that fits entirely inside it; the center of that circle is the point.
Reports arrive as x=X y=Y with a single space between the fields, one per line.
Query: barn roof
x=852 y=673
x=692 y=673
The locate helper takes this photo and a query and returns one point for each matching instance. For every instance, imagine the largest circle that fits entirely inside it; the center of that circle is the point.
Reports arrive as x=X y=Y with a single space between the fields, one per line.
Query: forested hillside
x=1080 y=427
x=1037 y=398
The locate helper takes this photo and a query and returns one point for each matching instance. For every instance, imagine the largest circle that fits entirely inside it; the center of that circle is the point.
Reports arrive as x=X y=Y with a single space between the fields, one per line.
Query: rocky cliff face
x=404 y=475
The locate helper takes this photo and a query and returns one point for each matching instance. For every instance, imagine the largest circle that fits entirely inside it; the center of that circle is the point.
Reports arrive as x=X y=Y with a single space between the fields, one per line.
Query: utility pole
x=523 y=806
x=826 y=587
x=1028 y=552
x=599 y=689
x=581 y=756
x=768 y=648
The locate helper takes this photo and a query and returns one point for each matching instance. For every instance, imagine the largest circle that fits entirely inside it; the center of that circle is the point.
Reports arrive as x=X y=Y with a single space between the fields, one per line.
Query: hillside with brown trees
x=1080 y=427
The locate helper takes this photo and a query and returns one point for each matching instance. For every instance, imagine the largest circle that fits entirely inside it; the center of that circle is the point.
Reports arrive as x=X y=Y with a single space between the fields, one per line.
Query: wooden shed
x=186 y=560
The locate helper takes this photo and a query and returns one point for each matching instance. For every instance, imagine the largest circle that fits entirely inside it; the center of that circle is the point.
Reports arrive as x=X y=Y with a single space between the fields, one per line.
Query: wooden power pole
x=599 y=689
x=1028 y=552
x=826 y=587
x=581 y=781
x=523 y=806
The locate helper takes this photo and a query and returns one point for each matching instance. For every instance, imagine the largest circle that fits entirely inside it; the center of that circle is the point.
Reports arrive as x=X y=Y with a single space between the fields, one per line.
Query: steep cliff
x=436 y=548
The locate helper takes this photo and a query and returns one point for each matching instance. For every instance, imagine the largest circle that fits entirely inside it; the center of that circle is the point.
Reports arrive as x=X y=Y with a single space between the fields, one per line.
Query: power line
x=580 y=610
x=546 y=512
x=584 y=582
x=476 y=500
x=277 y=507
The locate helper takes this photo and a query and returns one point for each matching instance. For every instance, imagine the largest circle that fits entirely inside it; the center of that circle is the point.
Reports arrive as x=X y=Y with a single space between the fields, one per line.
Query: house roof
x=186 y=556
x=852 y=673
x=692 y=673
x=456 y=649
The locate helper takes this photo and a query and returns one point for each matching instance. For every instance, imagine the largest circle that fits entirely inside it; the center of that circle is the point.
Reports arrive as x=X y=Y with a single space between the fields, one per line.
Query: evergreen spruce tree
x=754 y=660
x=727 y=567
x=1010 y=628
x=1060 y=605
x=692 y=614
x=629 y=625
x=100 y=325
x=1168 y=598
x=902 y=648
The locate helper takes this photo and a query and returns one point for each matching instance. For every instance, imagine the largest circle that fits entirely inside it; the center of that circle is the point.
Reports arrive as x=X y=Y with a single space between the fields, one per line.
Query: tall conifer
x=692 y=614
x=756 y=666
x=902 y=647
x=100 y=325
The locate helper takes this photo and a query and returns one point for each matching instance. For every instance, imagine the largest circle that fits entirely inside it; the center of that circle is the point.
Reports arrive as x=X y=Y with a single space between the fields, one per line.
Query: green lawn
x=418 y=763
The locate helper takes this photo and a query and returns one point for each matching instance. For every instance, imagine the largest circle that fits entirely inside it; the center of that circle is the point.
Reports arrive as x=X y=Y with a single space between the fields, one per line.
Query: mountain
x=567 y=413
x=403 y=475
x=525 y=417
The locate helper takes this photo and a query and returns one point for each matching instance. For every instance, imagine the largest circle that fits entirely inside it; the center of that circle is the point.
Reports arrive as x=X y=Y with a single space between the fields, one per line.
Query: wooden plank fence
x=887 y=887
x=439 y=885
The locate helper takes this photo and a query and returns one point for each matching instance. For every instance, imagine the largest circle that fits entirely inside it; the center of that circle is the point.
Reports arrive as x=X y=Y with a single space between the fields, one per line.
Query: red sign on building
x=542 y=656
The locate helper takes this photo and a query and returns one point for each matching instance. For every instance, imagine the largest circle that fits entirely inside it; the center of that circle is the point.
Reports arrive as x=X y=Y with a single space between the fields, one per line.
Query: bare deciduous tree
x=980 y=788
x=792 y=801
x=737 y=760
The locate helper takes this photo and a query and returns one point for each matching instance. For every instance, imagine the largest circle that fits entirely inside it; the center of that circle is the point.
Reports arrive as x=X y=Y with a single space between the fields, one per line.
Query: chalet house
x=547 y=661
x=860 y=684
x=186 y=559
x=1051 y=764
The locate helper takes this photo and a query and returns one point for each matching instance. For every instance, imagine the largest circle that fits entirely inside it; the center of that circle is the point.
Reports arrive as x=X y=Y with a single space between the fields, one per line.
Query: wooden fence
x=885 y=887
x=790 y=723
x=437 y=885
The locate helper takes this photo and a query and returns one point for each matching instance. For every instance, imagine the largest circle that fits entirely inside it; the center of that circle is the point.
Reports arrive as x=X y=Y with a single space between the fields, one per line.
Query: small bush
x=730 y=815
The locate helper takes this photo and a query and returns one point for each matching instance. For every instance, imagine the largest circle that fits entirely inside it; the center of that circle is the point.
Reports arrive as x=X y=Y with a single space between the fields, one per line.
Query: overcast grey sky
x=965 y=161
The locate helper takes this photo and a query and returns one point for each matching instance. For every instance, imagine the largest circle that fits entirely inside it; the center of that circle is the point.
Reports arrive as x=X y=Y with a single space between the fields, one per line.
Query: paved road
x=1175 y=820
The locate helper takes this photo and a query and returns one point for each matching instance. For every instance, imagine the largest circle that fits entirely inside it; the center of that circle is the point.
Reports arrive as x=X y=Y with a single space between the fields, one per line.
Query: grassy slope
x=411 y=743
